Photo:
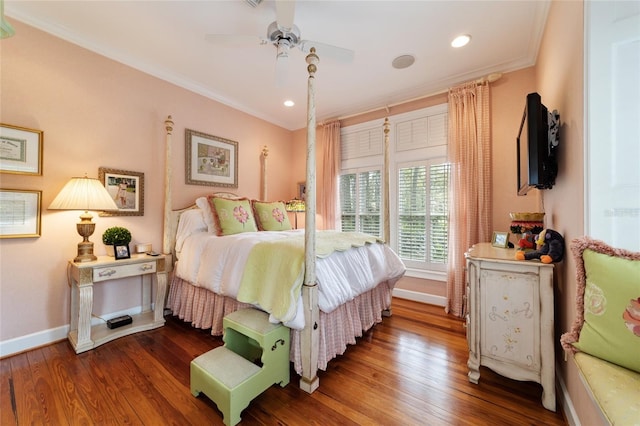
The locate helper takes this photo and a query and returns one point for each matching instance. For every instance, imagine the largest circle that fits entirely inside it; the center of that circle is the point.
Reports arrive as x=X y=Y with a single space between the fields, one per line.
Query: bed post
x=265 y=153
x=166 y=234
x=385 y=184
x=386 y=231
x=310 y=335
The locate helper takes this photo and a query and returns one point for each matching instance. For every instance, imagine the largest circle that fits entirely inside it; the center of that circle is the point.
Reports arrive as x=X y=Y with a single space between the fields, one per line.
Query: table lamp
x=83 y=193
x=296 y=206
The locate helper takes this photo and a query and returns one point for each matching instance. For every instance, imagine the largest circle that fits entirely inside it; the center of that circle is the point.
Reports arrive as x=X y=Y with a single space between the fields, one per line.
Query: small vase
x=110 y=250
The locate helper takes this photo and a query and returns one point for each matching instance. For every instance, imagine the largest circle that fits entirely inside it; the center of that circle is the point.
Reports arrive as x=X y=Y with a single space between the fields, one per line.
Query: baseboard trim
x=42 y=338
x=46 y=337
x=565 y=400
x=420 y=297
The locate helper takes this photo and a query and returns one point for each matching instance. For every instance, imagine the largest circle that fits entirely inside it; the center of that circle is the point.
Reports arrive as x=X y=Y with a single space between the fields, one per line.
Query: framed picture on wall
x=127 y=190
x=20 y=150
x=302 y=191
x=210 y=160
x=20 y=213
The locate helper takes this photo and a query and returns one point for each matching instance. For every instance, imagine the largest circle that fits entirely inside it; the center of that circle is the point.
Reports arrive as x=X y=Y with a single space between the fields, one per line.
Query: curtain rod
x=491 y=78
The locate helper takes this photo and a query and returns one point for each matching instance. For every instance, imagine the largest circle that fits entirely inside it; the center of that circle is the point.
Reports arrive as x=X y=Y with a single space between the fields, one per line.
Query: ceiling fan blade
x=338 y=53
x=285 y=11
x=234 y=40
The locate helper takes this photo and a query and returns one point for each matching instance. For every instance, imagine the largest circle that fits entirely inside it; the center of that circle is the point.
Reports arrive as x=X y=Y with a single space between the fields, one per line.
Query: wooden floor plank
x=138 y=389
x=95 y=364
x=408 y=370
x=47 y=395
x=143 y=355
x=80 y=391
x=24 y=391
x=8 y=413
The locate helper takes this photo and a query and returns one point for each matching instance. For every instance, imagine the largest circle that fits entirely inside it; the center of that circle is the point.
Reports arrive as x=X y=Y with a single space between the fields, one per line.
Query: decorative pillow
x=607 y=325
x=232 y=216
x=191 y=222
x=271 y=216
x=207 y=213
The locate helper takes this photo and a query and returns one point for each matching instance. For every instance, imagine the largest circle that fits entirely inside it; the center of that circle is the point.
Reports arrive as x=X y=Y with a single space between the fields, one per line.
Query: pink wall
x=560 y=82
x=96 y=112
x=507 y=105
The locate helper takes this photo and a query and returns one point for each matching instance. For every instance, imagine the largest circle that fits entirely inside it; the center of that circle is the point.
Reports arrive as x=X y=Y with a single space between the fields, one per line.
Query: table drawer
x=121 y=271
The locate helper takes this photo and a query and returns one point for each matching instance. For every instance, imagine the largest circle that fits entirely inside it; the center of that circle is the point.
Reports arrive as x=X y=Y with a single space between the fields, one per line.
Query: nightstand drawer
x=121 y=271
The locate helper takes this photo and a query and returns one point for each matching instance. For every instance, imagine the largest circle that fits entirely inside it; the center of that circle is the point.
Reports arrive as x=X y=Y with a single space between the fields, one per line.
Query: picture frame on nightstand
x=121 y=252
x=500 y=239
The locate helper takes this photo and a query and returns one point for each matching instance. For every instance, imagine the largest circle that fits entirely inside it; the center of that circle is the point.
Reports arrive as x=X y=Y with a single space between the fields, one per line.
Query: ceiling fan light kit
x=277 y=33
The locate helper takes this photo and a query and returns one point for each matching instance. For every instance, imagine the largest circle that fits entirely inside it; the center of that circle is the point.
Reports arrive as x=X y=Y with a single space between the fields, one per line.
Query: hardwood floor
x=408 y=370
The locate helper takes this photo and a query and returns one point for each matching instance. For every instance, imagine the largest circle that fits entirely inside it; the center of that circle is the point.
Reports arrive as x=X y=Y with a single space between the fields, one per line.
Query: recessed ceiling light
x=289 y=103
x=403 y=61
x=461 y=40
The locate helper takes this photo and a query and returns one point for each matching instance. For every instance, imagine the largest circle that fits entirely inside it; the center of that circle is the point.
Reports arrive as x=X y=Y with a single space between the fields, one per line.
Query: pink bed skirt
x=205 y=309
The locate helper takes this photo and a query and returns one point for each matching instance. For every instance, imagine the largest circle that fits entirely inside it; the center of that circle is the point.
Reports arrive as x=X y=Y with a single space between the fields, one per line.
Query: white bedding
x=217 y=263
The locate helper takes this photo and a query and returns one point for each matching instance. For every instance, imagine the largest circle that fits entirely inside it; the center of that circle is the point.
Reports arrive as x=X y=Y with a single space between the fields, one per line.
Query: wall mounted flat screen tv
x=536 y=146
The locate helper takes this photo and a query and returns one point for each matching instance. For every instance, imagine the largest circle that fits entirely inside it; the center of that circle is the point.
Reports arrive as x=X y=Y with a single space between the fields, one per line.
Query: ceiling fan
x=284 y=35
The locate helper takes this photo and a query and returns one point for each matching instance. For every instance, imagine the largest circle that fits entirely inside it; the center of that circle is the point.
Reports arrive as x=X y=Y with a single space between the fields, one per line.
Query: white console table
x=84 y=275
x=510 y=318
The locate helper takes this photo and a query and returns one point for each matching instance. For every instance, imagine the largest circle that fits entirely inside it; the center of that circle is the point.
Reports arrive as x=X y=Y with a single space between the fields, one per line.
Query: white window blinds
x=360 y=201
x=423 y=213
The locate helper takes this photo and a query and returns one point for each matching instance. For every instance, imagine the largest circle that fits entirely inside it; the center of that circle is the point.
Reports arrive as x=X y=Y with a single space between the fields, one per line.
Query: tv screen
x=536 y=143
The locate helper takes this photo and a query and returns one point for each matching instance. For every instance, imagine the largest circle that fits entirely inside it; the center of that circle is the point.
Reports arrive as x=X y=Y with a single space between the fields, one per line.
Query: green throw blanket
x=274 y=272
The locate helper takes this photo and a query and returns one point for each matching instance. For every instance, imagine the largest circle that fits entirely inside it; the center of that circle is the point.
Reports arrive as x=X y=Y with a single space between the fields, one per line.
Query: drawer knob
x=146 y=267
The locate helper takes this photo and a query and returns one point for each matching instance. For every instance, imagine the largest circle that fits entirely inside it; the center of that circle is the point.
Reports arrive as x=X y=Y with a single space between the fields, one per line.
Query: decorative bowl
x=527 y=217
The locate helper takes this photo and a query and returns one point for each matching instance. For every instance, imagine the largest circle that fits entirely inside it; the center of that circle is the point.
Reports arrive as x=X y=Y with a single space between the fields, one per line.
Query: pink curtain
x=328 y=182
x=470 y=157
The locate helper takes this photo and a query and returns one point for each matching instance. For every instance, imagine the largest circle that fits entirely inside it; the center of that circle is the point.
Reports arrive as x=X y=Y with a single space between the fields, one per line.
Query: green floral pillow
x=608 y=304
x=232 y=216
x=271 y=216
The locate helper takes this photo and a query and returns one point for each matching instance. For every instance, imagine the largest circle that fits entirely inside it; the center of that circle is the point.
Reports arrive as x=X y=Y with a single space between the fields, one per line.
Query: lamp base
x=85 y=247
x=85 y=252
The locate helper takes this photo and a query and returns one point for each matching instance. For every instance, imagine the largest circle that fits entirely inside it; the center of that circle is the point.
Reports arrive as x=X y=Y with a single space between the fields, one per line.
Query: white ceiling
x=167 y=39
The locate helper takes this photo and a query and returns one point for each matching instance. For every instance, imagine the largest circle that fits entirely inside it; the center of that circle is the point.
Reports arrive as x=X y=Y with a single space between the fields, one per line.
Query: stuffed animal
x=550 y=248
x=526 y=242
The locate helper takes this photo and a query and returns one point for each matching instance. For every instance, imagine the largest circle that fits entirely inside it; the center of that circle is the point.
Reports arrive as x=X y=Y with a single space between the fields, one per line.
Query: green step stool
x=255 y=356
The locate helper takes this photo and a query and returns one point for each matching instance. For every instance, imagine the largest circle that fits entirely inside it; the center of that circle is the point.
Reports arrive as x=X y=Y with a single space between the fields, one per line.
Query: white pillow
x=191 y=222
x=204 y=205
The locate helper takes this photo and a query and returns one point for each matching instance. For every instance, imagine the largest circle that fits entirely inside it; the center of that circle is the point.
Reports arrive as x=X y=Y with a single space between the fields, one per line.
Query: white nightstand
x=510 y=318
x=83 y=275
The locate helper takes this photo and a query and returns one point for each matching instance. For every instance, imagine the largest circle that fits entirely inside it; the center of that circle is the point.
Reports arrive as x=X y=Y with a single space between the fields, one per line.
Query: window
x=423 y=215
x=419 y=187
x=360 y=202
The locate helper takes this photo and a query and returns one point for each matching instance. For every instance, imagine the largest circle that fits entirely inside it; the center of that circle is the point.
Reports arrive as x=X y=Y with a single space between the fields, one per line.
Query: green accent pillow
x=608 y=297
x=271 y=216
x=232 y=216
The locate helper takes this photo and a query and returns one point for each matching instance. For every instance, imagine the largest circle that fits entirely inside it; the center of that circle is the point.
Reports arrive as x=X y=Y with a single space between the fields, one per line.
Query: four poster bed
x=341 y=287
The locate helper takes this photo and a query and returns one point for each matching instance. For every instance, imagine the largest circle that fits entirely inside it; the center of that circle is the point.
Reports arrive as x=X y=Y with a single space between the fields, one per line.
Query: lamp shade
x=83 y=193
x=295 y=205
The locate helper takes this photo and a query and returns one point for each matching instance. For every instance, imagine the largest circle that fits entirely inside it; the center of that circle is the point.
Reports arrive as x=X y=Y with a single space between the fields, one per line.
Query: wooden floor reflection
x=408 y=370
